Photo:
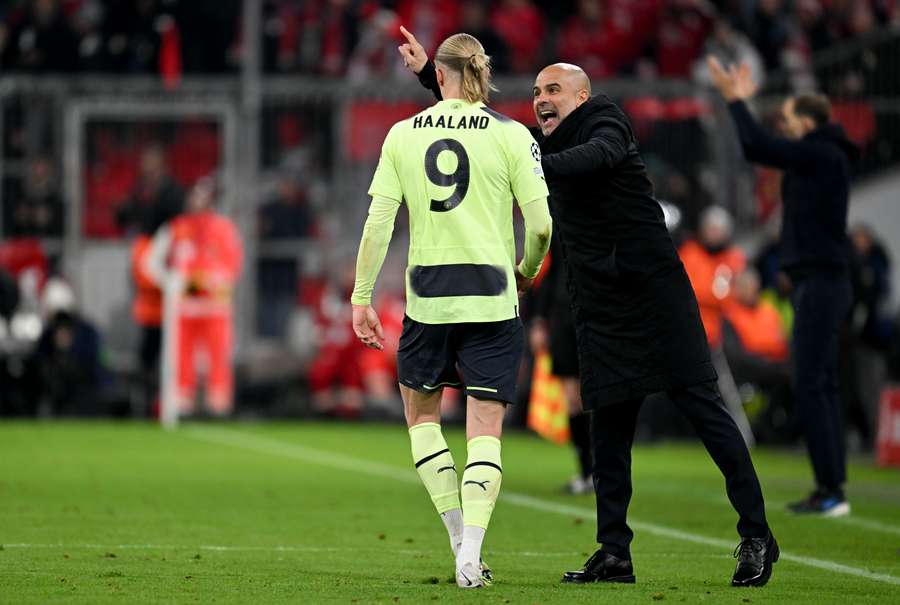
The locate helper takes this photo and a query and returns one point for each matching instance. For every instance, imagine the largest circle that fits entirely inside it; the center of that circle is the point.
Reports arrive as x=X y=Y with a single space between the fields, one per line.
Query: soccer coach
x=816 y=158
x=636 y=318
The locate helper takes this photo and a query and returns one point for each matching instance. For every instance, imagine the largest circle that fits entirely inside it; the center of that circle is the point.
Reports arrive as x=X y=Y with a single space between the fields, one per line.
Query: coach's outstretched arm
x=607 y=146
x=736 y=86
x=373 y=247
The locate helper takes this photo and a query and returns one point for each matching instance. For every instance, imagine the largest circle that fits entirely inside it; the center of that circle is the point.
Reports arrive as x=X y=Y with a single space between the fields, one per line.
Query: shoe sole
x=763 y=579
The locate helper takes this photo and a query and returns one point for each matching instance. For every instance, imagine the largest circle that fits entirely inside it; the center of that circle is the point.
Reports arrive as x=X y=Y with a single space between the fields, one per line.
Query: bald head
x=571 y=73
x=559 y=89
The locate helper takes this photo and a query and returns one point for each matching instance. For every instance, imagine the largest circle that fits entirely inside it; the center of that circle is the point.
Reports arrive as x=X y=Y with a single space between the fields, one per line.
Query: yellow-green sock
x=434 y=463
x=481 y=481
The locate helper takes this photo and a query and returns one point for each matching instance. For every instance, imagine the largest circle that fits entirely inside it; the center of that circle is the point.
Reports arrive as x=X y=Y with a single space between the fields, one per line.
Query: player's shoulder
x=400 y=132
x=512 y=127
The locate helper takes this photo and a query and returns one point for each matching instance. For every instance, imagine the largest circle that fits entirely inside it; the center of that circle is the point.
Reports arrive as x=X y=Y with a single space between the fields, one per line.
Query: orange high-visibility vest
x=760 y=329
x=711 y=276
x=147 y=306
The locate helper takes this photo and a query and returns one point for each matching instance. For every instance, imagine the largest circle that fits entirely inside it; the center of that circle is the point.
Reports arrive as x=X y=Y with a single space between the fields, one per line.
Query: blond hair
x=464 y=54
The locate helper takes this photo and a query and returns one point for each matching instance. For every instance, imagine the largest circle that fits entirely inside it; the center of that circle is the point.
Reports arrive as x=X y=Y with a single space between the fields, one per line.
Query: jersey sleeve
x=386 y=182
x=526 y=175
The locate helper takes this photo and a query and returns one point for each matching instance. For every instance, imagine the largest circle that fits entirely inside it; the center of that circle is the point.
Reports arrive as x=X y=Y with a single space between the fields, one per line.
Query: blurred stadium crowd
x=357 y=38
x=135 y=180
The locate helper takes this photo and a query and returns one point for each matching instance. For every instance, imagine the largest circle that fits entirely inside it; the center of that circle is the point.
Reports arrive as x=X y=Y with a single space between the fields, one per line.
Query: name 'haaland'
x=452 y=122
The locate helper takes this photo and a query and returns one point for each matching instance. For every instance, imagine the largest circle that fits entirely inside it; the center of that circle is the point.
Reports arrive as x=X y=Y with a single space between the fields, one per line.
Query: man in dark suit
x=816 y=157
x=637 y=322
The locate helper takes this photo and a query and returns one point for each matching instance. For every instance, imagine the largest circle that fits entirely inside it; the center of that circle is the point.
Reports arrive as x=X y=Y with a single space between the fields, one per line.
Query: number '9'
x=459 y=177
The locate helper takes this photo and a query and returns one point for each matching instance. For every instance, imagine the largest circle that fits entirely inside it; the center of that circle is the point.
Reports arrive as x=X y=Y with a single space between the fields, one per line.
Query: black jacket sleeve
x=428 y=79
x=764 y=148
x=542 y=302
x=608 y=144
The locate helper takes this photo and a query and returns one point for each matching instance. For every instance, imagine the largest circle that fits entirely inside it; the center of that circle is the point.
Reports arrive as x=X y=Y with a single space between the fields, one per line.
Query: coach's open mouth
x=547 y=117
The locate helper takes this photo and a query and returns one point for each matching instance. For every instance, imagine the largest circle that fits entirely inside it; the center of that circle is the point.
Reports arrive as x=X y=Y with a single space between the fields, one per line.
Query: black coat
x=636 y=316
x=814 y=191
x=637 y=321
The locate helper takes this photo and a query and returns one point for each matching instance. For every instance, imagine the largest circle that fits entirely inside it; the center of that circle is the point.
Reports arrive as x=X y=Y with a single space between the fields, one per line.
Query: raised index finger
x=714 y=65
x=408 y=35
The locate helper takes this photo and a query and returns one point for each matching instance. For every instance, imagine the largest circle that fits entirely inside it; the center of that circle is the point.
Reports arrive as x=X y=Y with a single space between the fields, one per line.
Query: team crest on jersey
x=536 y=152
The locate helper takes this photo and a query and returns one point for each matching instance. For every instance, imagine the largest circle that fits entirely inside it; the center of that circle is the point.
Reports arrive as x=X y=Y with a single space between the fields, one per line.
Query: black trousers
x=821 y=304
x=613 y=429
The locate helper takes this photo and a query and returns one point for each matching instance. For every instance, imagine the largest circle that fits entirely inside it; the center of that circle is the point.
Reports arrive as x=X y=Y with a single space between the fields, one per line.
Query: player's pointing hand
x=413 y=53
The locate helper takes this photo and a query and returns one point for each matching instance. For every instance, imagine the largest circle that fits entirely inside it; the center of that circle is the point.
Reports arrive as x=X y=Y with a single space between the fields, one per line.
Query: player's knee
x=420 y=407
x=484 y=418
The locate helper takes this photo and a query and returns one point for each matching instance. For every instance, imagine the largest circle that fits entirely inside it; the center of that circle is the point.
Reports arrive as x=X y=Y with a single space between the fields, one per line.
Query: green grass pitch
x=333 y=513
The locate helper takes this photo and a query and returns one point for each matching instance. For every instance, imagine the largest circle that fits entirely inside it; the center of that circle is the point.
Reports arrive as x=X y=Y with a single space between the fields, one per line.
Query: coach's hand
x=413 y=53
x=367 y=327
x=734 y=83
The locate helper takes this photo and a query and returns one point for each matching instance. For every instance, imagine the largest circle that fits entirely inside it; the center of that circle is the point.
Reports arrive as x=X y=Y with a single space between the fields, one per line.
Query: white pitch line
x=855 y=520
x=358 y=465
x=275 y=548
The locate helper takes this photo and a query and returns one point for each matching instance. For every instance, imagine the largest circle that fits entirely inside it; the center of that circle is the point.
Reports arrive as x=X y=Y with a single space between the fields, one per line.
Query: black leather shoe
x=755 y=558
x=602 y=567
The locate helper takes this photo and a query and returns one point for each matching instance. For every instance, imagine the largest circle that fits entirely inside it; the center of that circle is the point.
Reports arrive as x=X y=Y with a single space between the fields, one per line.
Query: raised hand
x=735 y=82
x=413 y=53
x=743 y=78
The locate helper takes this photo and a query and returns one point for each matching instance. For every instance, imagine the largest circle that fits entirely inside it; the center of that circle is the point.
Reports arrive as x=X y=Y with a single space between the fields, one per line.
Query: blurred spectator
x=586 y=40
x=131 y=30
x=379 y=368
x=68 y=372
x=39 y=209
x=755 y=322
x=868 y=335
x=147 y=312
x=475 y=20
x=683 y=28
x=431 y=20
x=347 y=379
x=155 y=199
x=767 y=24
x=335 y=377
x=202 y=248
x=314 y=36
x=87 y=21
x=712 y=262
x=521 y=25
x=24 y=259
x=818 y=28
x=871 y=271
x=731 y=47
x=287 y=213
x=206 y=32
x=332 y=32
x=755 y=344
x=376 y=50
x=41 y=40
x=9 y=294
x=605 y=38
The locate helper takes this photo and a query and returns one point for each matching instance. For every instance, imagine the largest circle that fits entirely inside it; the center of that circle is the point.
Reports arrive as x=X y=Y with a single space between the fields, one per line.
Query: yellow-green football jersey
x=457 y=166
